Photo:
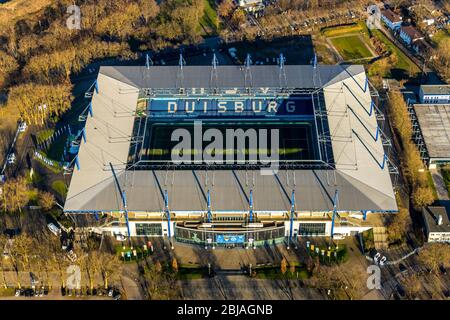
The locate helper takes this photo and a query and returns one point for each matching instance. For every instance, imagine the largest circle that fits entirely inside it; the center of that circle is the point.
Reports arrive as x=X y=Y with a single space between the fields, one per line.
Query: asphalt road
x=240 y=287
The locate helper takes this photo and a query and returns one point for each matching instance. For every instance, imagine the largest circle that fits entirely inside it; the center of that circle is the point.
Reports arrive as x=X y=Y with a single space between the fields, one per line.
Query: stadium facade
x=337 y=173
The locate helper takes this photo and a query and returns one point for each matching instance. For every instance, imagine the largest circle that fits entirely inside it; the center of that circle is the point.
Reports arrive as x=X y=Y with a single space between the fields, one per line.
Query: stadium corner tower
x=332 y=172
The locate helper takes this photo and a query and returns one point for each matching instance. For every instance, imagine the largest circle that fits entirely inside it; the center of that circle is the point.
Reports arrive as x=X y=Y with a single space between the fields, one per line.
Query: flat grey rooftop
x=431 y=215
x=436 y=89
x=434 y=122
x=296 y=76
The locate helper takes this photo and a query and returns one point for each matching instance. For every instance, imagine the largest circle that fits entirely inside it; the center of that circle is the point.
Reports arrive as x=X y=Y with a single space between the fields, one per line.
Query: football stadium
x=322 y=173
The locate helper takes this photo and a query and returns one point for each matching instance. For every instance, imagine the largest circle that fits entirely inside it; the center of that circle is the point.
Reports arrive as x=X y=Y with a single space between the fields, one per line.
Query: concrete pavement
x=237 y=287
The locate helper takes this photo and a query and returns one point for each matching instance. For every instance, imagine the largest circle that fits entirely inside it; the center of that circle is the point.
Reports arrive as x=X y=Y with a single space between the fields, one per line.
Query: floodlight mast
x=214 y=75
x=148 y=61
x=166 y=209
x=282 y=75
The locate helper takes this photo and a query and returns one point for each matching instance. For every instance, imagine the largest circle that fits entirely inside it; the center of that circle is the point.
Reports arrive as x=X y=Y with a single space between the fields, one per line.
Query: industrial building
x=337 y=174
x=431 y=123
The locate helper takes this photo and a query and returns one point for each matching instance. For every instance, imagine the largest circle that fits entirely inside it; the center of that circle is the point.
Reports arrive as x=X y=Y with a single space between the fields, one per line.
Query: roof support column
x=335 y=202
x=291 y=222
x=208 y=203
x=166 y=209
x=251 y=206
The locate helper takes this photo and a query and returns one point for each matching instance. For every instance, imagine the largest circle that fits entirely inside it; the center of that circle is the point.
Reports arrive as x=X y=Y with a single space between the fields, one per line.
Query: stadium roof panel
x=297 y=76
x=363 y=183
x=187 y=189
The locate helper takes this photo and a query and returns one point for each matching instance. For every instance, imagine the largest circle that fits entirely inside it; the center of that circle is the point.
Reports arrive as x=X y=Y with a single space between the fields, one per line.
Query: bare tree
x=20 y=254
x=15 y=194
x=412 y=285
x=46 y=200
x=110 y=267
x=225 y=8
x=174 y=265
x=3 y=244
x=283 y=266
x=434 y=255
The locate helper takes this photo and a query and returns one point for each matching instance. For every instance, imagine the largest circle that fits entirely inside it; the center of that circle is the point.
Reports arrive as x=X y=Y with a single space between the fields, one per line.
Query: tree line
x=38 y=49
x=42 y=255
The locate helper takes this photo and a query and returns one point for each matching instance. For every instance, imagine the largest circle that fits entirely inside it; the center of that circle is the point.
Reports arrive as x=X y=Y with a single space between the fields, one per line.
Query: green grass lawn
x=209 y=21
x=341 y=30
x=439 y=36
x=446 y=175
x=432 y=186
x=43 y=135
x=7 y=292
x=56 y=150
x=60 y=187
x=351 y=47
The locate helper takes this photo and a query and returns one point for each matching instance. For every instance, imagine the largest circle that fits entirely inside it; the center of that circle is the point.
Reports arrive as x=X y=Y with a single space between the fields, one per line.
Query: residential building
x=409 y=34
x=391 y=19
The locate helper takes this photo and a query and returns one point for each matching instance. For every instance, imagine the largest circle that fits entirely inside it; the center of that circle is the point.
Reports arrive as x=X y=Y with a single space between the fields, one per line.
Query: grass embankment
x=345 y=29
x=446 y=175
x=191 y=272
x=432 y=186
x=60 y=187
x=8 y=292
x=295 y=271
x=210 y=22
x=439 y=37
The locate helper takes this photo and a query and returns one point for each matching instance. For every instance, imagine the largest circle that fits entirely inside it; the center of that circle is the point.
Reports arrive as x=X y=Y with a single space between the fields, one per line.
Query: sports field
x=351 y=47
x=296 y=140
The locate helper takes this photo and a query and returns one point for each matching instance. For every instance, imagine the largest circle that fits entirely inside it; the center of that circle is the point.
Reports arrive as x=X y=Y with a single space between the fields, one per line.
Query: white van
x=22 y=126
x=54 y=229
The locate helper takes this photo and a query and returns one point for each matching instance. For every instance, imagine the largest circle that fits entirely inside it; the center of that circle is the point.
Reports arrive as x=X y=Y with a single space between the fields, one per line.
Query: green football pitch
x=351 y=47
x=296 y=140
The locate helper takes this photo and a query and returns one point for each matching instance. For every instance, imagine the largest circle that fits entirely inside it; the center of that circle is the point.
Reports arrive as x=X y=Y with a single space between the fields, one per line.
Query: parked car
x=11 y=159
x=376 y=257
x=54 y=229
x=22 y=126
x=72 y=256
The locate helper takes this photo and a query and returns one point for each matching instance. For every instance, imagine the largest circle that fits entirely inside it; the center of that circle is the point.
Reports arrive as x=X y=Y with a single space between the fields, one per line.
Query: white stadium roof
x=359 y=176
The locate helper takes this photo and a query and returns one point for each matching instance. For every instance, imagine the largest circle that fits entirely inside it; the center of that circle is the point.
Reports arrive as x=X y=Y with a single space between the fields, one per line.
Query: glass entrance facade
x=148 y=229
